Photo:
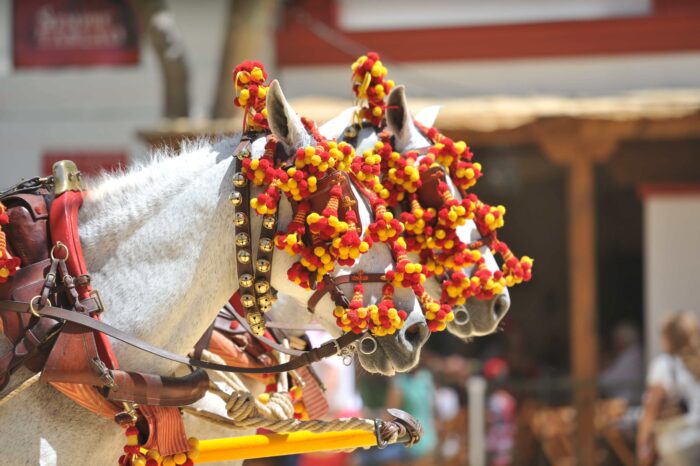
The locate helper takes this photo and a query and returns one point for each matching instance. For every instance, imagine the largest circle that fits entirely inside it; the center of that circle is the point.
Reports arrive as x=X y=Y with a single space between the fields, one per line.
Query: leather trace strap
x=327 y=349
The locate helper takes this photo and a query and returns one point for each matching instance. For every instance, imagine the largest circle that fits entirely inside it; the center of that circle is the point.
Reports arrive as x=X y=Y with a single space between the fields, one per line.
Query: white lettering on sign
x=81 y=29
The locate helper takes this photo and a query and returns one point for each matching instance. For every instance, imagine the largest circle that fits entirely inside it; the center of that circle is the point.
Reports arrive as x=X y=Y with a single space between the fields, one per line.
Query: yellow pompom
x=180 y=458
x=256 y=74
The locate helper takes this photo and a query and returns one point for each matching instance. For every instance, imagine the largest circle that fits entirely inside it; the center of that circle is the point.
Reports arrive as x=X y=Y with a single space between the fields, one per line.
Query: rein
x=330 y=348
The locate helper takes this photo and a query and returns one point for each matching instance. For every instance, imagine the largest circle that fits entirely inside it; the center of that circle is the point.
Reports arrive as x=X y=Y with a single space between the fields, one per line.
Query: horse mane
x=159 y=174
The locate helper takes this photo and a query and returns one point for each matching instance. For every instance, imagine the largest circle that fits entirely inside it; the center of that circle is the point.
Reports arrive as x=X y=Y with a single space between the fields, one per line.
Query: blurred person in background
x=669 y=430
x=624 y=375
x=500 y=415
x=414 y=393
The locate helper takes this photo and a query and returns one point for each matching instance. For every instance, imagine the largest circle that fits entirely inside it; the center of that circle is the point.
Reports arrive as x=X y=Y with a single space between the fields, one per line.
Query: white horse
x=158 y=242
x=478 y=317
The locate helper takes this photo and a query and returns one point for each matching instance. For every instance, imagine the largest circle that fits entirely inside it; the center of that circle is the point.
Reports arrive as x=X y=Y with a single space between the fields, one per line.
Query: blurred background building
x=586 y=116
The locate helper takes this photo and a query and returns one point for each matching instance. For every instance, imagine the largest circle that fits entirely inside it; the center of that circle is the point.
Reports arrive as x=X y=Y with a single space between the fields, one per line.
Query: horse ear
x=428 y=115
x=399 y=120
x=284 y=123
x=333 y=128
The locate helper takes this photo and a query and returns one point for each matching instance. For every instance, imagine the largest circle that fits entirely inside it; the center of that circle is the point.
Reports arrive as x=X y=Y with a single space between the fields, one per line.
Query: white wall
x=362 y=15
x=671 y=259
x=599 y=75
x=100 y=107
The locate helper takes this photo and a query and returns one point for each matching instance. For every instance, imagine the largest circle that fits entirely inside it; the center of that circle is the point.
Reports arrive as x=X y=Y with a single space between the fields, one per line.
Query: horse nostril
x=415 y=328
x=461 y=315
x=416 y=334
x=500 y=307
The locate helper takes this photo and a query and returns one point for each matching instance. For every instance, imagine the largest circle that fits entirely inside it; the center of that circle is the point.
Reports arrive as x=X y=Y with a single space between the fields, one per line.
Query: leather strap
x=271 y=343
x=255 y=290
x=330 y=285
x=330 y=348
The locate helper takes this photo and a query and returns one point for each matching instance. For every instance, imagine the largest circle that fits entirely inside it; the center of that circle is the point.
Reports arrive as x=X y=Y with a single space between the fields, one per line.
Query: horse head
x=388 y=351
x=476 y=317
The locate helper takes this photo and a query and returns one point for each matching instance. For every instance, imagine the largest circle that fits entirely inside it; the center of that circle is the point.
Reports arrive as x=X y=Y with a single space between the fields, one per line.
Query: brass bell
x=239 y=180
x=266 y=244
x=245 y=280
x=269 y=222
x=265 y=300
x=235 y=198
x=258 y=329
x=264 y=307
x=263 y=265
x=239 y=219
x=245 y=153
x=247 y=300
x=244 y=256
x=254 y=318
x=262 y=286
x=241 y=239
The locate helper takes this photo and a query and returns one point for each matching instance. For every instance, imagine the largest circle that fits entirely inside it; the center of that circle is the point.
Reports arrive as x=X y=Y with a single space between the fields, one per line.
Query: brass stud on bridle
x=262 y=265
x=235 y=198
x=243 y=256
x=242 y=239
x=262 y=286
x=264 y=307
x=266 y=245
x=245 y=280
x=240 y=219
x=265 y=300
x=247 y=300
x=269 y=222
x=239 y=180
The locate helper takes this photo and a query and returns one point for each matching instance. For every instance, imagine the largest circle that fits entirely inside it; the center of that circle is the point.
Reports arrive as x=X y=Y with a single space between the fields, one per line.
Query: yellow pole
x=269 y=445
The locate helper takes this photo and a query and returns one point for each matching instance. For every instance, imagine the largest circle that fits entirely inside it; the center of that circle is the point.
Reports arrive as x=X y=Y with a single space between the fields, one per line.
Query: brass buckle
x=95 y=293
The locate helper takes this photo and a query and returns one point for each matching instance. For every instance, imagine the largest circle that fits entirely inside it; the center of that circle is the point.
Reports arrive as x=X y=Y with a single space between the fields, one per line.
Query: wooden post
x=578 y=145
x=583 y=324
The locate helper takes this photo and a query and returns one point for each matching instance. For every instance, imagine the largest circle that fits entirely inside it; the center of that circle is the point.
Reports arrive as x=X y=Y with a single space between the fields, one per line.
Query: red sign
x=88 y=162
x=54 y=33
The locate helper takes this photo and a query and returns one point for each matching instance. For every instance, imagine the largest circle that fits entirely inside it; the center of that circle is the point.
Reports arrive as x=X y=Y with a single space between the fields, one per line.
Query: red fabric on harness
x=166 y=426
x=166 y=430
x=64 y=228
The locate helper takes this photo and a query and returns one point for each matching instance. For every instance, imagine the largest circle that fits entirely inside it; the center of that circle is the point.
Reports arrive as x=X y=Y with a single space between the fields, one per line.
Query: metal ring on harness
x=33 y=309
x=59 y=245
x=461 y=315
x=367 y=345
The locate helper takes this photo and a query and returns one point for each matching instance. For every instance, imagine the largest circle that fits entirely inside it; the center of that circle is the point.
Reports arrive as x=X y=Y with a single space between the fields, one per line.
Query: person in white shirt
x=670 y=426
